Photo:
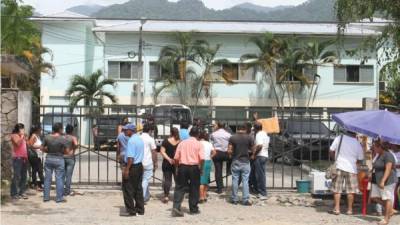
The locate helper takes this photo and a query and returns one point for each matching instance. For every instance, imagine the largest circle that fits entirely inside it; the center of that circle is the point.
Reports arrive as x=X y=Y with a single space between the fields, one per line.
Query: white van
x=167 y=116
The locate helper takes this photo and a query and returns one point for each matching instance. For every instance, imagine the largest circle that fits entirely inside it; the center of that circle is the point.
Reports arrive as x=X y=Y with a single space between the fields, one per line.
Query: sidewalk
x=104 y=207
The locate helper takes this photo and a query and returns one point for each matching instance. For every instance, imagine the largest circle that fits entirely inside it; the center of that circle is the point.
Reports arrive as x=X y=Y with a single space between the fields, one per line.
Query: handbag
x=331 y=171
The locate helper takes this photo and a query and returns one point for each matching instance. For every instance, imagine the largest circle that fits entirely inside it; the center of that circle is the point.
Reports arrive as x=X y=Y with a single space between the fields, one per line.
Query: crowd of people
x=60 y=158
x=188 y=155
x=187 y=160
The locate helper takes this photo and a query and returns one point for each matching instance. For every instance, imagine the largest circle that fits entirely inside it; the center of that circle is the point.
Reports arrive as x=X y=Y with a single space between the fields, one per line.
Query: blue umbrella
x=376 y=124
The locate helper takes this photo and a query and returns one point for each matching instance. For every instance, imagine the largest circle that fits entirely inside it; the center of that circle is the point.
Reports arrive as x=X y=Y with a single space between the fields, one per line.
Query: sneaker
x=127 y=214
x=23 y=196
x=234 y=202
x=194 y=212
x=177 y=213
x=247 y=203
x=262 y=197
x=62 y=201
x=15 y=197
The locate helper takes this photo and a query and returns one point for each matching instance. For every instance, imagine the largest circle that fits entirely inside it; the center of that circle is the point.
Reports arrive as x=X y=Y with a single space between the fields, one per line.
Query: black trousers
x=168 y=174
x=188 y=178
x=37 y=170
x=219 y=160
x=133 y=191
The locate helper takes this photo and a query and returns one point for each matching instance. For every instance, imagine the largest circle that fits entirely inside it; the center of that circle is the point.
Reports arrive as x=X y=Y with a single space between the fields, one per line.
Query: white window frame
x=119 y=70
x=359 y=77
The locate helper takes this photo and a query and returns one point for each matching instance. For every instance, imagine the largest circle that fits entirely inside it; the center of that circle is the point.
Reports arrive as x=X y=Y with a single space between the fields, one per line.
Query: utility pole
x=140 y=72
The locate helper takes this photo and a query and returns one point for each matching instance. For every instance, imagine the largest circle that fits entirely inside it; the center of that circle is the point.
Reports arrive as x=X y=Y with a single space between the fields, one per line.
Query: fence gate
x=302 y=145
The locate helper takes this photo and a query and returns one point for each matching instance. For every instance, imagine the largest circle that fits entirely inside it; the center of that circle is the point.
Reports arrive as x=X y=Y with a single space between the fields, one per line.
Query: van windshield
x=166 y=115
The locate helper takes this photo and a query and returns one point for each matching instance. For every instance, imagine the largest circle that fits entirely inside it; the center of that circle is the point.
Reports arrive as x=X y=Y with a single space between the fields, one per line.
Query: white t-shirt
x=350 y=152
x=208 y=147
x=149 y=144
x=262 y=138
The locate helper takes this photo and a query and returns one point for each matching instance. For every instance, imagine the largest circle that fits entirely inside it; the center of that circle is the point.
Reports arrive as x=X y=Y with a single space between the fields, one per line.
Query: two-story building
x=82 y=45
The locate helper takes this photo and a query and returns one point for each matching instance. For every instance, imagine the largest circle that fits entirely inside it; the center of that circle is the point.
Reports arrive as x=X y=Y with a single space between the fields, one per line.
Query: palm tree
x=265 y=60
x=39 y=66
x=316 y=54
x=202 y=84
x=289 y=72
x=90 y=89
x=174 y=61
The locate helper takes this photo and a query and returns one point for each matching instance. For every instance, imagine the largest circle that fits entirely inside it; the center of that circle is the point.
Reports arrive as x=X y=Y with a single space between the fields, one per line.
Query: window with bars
x=123 y=70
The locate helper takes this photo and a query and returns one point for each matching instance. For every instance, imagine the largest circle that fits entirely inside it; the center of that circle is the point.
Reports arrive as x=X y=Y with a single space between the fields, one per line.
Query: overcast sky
x=53 y=6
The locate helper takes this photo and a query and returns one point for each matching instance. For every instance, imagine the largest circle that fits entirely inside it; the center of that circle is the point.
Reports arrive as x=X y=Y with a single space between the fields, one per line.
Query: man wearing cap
x=133 y=173
x=189 y=157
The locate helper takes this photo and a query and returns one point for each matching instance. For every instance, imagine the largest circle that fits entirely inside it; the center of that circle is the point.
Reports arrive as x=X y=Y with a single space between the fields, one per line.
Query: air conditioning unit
x=135 y=89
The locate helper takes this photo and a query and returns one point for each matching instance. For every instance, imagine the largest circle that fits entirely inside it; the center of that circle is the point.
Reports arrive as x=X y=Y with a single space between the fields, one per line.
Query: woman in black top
x=167 y=150
x=54 y=145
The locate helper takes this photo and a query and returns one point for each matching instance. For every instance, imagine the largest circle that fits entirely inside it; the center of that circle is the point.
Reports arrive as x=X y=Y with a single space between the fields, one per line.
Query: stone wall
x=16 y=107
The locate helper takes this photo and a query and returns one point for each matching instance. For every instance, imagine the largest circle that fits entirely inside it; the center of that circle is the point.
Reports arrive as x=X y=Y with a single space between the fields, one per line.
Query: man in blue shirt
x=184 y=131
x=132 y=174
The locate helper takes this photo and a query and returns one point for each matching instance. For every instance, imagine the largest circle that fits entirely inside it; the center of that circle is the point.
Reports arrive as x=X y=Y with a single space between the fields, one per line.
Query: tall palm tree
x=316 y=54
x=90 y=89
x=202 y=85
x=174 y=61
x=289 y=72
x=268 y=47
x=39 y=66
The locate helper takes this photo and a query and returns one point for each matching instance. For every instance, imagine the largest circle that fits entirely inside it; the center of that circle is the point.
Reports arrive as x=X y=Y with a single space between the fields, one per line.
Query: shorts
x=205 y=176
x=387 y=193
x=350 y=179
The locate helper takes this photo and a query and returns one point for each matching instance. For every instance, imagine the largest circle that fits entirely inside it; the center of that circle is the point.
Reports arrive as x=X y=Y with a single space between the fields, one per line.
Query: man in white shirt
x=260 y=157
x=350 y=153
x=149 y=160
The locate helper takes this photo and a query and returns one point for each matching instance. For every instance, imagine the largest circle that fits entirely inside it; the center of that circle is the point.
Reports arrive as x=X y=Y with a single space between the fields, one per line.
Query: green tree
x=91 y=90
x=388 y=42
x=265 y=60
x=316 y=54
x=17 y=31
x=175 y=62
x=202 y=84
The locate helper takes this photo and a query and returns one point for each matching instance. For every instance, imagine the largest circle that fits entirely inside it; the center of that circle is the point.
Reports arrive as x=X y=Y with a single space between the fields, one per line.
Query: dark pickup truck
x=301 y=140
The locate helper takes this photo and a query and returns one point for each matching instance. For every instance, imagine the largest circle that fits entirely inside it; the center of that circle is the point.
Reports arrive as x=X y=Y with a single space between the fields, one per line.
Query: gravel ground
x=103 y=207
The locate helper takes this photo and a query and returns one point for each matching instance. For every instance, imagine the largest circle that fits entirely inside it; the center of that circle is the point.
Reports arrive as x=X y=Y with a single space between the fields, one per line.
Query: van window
x=164 y=115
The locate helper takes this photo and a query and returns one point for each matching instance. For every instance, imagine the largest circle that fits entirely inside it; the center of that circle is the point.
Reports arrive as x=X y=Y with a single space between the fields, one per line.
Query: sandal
x=165 y=200
x=383 y=222
x=349 y=213
x=334 y=212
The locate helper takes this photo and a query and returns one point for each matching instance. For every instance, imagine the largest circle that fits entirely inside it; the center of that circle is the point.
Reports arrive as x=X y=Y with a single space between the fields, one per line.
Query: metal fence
x=302 y=144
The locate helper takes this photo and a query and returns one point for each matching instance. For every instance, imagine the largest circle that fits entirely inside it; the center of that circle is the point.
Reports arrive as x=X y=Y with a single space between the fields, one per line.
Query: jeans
x=69 y=169
x=56 y=164
x=20 y=169
x=218 y=160
x=260 y=182
x=147 y=174
x=133 y=191
x=188 y=178
x=240 y=169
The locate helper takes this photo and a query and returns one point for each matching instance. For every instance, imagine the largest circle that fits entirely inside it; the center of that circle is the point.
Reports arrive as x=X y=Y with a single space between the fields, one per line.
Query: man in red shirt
x=189 y=157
